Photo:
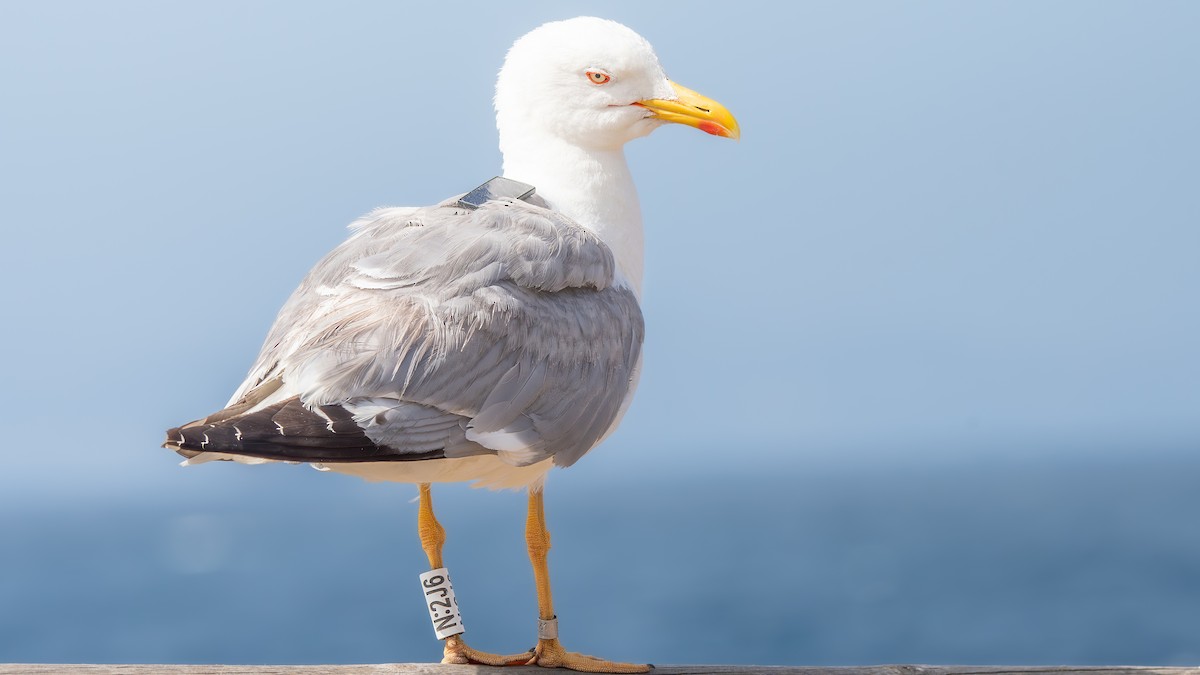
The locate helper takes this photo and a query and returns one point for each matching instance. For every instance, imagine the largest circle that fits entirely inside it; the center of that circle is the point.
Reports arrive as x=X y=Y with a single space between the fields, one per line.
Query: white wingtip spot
x=327 y=418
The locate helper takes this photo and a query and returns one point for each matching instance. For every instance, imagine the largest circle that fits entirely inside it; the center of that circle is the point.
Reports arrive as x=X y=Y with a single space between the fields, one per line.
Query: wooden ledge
x=439 y=669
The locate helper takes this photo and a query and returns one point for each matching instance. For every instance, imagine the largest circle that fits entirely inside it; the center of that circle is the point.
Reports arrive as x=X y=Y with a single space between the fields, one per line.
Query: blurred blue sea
x=1064 y=558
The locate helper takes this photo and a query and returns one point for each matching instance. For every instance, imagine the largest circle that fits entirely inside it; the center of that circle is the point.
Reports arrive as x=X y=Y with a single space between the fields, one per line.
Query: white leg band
x=548 y=629
x=442 y=605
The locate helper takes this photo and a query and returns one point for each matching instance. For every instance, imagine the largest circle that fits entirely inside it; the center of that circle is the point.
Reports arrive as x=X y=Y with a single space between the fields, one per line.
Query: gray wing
x=450 y=332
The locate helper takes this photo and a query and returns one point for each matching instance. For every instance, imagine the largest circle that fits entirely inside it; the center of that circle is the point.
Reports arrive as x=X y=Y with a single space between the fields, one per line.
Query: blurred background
x=921 y=382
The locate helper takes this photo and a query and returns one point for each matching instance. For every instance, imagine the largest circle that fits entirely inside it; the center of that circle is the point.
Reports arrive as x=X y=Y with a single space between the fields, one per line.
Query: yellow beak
x=694 y=110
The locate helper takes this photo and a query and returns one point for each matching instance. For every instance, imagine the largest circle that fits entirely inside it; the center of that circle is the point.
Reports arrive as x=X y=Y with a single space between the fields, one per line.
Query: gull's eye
x=598 y=77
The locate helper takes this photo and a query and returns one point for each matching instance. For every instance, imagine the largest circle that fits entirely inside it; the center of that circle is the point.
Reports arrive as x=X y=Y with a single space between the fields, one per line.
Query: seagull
x=487 y=338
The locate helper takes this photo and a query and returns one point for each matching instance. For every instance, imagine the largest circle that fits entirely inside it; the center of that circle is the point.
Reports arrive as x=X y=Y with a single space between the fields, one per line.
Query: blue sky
x=950 y=229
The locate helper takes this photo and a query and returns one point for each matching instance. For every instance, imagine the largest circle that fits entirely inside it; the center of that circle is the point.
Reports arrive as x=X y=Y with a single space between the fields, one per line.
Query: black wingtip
x=287 y=431
x=175 y=441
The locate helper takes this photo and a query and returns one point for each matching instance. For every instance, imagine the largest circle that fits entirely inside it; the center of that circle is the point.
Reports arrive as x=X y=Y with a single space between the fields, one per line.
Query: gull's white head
x=595 y=84
x=570 y=95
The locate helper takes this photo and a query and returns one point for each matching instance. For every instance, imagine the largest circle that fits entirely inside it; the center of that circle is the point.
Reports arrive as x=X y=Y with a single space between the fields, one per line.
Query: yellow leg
x=549 y=653
x=433 y=535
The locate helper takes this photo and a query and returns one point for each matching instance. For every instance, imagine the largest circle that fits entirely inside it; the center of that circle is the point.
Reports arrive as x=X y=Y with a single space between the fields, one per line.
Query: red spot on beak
x=713 y=128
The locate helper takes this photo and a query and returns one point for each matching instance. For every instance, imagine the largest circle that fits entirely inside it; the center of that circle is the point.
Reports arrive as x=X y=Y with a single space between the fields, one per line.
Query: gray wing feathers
x=502 y=325
x=515 y=391
x=412 y=426
x=513 y=240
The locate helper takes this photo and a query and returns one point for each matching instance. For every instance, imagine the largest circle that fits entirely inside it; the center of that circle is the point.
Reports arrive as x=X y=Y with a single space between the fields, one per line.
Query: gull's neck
x=591 y=186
